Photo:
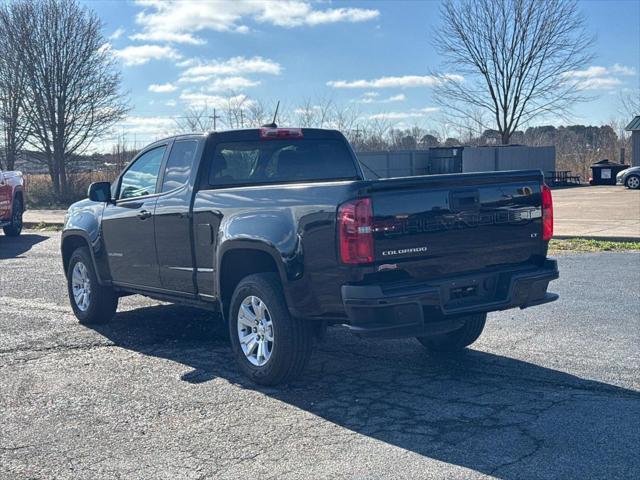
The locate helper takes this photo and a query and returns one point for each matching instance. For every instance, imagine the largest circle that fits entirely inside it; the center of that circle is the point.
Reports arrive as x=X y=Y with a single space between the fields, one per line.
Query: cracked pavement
x=548 y=392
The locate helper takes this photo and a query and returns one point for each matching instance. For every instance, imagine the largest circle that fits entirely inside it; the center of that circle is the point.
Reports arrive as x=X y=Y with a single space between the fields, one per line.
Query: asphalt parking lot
x=549 y=392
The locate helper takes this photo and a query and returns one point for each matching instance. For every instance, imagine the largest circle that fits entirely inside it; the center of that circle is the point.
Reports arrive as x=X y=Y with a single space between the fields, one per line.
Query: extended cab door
x=172 y=218
x=128 y=225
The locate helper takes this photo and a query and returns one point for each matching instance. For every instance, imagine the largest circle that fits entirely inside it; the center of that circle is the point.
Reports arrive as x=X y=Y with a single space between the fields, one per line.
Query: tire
x=284 y=357
x=632 y=182
x=15 y=227
x=101 y=302
x=458 y=339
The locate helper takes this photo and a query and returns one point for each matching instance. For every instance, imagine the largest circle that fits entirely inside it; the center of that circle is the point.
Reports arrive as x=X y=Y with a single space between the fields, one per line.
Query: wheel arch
x=71 y=241
x=237 y=260
x=630 y=176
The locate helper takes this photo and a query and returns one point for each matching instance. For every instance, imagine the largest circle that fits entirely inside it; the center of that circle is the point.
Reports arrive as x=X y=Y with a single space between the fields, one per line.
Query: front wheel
x=15 y=227
x=270 y=346
x=92 y=303
x=633 y=182
x=458 y=339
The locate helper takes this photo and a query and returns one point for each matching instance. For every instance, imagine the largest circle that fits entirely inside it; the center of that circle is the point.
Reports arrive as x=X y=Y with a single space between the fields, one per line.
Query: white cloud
x=597 y=77
x=141 y=54
x=623 y=69
x=604 y=83
x=154 y=127
x=414 y=113
x=231 y=83
x=116 y=34
x=591 y=72
x=162 y=88
x=201 y=99
x=171 y=37
x=177 y=21
x=234 y=66
x=171 y=103
x=231 y=71
x=295 y=14
x=406 y=81
x=373 y=99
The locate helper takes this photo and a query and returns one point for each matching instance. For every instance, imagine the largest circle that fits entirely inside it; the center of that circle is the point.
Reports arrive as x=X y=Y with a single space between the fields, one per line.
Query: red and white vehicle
x=12 y=204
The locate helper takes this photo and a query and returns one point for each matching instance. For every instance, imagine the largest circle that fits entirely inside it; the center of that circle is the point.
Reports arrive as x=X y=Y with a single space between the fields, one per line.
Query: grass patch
x=44 y=227
x=583 y=245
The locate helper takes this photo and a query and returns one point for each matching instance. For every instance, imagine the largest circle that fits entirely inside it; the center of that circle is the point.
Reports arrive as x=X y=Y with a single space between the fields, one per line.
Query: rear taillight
x=268 y=133
x=354 y=231
x=547 y=214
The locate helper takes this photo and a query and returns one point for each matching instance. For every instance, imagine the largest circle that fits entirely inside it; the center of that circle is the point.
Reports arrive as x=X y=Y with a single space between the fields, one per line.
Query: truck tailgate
x=450 y=224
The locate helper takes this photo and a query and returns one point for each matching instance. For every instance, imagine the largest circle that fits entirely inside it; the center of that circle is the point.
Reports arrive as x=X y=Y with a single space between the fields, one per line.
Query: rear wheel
x=633 y=182
x=15 y=227
x=92 y=303
x=458 y=339
x=270 y=346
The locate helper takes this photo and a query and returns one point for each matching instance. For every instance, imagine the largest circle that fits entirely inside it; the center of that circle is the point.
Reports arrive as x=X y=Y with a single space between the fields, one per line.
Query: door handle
x=144 y=214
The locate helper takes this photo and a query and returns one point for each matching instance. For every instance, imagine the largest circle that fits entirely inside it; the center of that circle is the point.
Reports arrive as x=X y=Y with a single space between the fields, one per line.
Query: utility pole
x=215 y=120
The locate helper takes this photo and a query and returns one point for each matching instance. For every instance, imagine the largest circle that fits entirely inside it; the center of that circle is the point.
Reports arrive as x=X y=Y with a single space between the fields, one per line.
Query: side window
x=142 y=176
x=179 y=164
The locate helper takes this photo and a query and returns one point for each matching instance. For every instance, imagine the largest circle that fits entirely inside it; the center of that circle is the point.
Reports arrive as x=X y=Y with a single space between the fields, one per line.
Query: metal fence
x=404 y=163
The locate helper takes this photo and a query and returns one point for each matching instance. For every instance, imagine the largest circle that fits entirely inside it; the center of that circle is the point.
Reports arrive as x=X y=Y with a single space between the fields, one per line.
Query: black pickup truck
x=279 y=231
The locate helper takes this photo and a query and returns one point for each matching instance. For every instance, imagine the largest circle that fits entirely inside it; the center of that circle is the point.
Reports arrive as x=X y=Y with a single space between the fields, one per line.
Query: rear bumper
x=431 y=308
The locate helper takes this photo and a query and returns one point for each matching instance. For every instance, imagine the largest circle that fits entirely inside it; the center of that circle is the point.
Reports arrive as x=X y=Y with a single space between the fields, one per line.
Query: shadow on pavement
x=12 y=247
x=490 y=413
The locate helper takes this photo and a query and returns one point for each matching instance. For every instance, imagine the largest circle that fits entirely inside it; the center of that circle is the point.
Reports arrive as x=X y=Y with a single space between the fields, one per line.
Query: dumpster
x=604 y=172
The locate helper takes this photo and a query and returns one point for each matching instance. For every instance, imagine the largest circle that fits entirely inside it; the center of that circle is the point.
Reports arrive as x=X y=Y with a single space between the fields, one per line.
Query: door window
x=141 y=178
x=179 y=164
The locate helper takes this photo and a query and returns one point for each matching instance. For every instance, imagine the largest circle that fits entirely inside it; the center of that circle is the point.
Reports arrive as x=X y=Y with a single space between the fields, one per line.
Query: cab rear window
x=280 y=161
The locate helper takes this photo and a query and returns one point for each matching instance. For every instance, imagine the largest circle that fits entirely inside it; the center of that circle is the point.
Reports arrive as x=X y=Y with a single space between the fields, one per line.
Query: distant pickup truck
x=278 y=229
x=12 y=204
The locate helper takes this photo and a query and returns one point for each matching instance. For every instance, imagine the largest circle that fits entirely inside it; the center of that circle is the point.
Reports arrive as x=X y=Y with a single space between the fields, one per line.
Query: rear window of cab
x=280 y=161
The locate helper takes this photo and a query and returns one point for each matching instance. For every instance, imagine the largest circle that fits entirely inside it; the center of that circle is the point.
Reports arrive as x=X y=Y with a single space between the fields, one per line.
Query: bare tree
x=306 y=113
x=237 y=110
x=198 y=119
x=344 y=119
x=516 y=58
x=121 y=153
x=630 y=103
x=12 y=94
x=72 y=83
x=315 y=113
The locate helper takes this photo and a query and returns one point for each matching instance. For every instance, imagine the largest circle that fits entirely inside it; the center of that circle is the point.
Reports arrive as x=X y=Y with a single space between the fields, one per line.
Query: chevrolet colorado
x=279 y=231
x=11 y=202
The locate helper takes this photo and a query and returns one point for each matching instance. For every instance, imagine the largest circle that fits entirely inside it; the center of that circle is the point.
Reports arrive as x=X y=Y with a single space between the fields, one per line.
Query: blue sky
x=371 y=55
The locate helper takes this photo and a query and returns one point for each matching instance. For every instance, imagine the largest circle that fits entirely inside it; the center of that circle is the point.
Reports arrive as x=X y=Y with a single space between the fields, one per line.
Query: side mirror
x=100 y=192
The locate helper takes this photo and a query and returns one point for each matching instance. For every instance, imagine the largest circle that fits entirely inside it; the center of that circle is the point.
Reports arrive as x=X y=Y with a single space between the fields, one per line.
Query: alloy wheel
x=81 y=286
x=255 y=330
